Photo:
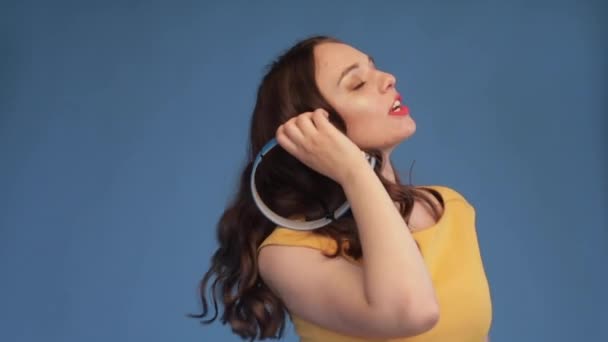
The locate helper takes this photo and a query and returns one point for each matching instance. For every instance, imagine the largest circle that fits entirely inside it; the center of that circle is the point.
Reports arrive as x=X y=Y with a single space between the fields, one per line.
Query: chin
x=409 y=130
x=393 y=143
x=396 y=138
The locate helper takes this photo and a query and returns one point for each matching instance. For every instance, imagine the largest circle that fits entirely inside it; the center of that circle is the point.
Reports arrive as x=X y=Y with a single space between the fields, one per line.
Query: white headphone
x=293 y=224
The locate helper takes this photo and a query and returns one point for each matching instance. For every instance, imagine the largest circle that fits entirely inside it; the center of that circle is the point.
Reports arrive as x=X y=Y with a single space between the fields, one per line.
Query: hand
x=316 y=142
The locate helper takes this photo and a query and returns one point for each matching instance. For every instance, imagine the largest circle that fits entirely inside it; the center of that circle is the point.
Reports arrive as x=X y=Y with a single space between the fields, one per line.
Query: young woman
x=402 y=265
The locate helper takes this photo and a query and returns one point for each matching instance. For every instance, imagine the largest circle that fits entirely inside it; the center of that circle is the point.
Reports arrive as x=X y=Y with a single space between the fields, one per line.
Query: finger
x=320 y=117
x=284 y=141
x=321 y=111
x=293 y=132
x=304 y=122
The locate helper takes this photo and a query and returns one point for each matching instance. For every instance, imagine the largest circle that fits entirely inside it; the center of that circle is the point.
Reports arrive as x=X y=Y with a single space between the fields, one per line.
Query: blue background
x=123 y=128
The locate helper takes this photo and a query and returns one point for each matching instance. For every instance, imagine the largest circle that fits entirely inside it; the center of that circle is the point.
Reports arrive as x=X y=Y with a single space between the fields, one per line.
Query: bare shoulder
x=447 y=192
x=330 y=293
x=422 y=214
x=425 y=191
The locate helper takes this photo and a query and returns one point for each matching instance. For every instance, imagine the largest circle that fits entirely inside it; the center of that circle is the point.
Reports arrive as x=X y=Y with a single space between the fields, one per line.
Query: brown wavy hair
x=288 y=187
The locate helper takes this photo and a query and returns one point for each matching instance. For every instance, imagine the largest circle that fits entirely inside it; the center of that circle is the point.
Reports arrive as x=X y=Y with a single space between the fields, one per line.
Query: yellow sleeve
x=291 y=237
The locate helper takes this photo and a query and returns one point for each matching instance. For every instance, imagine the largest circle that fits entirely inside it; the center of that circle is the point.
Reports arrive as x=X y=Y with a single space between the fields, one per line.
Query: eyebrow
x=351 y=68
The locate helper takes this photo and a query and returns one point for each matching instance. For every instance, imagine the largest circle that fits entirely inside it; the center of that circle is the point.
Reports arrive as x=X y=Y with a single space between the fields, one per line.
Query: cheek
x=362 y=105
x=364 y=119
x=356 y=108
x=361 y=113
x=360 y=101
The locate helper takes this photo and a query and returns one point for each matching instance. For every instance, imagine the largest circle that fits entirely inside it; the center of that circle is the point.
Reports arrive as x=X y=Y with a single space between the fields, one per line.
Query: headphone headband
x=285 y=222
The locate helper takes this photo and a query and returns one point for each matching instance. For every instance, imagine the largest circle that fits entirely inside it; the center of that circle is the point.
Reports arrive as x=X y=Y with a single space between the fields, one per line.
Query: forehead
x=332 y=58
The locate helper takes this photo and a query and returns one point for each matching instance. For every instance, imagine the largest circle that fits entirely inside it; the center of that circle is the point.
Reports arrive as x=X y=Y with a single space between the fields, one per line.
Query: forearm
x=394 y=270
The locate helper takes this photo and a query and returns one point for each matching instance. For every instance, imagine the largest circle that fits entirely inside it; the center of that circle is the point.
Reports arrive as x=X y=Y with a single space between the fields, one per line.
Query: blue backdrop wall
x=123 y=128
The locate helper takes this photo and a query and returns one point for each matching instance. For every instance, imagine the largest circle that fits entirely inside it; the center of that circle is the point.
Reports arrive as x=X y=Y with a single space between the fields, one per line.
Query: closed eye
x=359 y=86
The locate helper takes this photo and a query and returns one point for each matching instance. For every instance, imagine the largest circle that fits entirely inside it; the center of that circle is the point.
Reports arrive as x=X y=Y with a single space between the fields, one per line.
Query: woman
x=402 y=265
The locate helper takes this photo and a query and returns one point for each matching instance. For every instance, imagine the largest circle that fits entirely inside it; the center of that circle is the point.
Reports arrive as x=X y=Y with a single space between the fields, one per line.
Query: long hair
x=288 y=187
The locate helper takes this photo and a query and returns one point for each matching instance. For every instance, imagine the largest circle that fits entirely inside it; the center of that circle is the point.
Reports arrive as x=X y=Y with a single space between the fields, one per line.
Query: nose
x=388 y=82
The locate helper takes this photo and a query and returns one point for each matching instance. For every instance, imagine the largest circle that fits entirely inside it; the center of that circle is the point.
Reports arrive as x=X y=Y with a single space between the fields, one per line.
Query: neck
x=387 y=170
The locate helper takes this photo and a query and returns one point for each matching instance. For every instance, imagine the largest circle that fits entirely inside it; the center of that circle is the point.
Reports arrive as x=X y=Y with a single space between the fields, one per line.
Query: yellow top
x=451 y=253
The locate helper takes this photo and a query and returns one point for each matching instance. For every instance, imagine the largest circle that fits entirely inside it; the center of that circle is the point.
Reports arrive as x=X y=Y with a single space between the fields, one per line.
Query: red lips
x=403 y=110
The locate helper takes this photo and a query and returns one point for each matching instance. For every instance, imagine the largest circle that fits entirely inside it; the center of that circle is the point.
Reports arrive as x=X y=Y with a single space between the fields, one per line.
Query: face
x=363 y=96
